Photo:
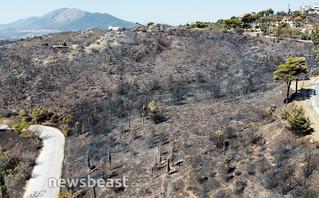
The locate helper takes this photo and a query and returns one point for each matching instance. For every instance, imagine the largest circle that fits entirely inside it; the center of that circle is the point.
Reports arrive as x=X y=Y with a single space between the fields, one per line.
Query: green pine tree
x=298 y=122
x=288 y=72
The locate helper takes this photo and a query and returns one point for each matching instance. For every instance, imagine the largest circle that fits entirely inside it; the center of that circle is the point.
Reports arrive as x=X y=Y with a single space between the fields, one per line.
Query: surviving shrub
x=315 y=72
x=66 y=118
x=40 y=114
x=298 y=122
x=154 y=112
x=17 y=126
x=66 y=130
x=24 y=124
x=10 y=123
x=54 y=119
x=70 y=194
x=218 y=138
x=284 y=112
x=270 y=110
x=26 y=134
x=22 y=113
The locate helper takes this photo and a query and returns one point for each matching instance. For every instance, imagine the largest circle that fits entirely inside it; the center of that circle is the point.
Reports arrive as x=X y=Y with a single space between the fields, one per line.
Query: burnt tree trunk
x=288 y=91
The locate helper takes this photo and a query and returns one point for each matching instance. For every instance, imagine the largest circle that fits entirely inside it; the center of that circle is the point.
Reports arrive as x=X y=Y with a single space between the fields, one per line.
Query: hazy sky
x=174 y=12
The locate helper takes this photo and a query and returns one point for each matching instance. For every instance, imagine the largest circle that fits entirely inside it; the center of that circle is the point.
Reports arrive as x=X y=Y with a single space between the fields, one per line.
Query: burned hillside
x=200 y=82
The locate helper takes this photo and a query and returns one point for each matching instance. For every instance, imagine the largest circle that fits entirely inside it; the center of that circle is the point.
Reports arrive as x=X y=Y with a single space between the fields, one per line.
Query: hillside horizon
x=61 y=20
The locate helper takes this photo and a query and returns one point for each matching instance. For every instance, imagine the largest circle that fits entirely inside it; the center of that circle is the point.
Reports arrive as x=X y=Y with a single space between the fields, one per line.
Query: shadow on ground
x=303 y=94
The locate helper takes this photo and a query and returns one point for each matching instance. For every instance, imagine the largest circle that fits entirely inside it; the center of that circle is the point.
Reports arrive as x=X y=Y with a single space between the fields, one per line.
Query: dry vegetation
x=197 y=99
x=17 y=158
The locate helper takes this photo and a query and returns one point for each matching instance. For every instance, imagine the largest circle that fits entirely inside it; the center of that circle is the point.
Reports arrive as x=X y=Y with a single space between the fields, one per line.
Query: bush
x=271 y=109
x=70 y=194
x=54 y=119
x=154 y=112
x=66 y=118
x=17 y=126
x=199 y=24
x=26 y=134
x=24 y=124
x=218 y=138
x=10 y=123
x=66 y=130
x=40 y=114
x=298 y=122
x=315 y=72
x=284 y=112
x=22 y=113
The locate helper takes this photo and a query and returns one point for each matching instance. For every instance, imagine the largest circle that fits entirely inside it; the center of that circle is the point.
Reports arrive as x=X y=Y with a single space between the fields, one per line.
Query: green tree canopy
x=288 y=72
x=248 y=18
x=233 y=22
x=269 y=12
x=199 y=24
x=300 y=66
x=282 y=13
x=279 y=18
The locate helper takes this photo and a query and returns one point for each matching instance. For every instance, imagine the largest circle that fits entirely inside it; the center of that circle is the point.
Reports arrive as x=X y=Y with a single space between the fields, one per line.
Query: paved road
x=288 y=39
x=49 y=164
x=315 y=96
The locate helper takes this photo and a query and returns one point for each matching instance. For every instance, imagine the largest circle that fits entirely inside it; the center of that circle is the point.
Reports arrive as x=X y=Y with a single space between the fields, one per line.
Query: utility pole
x=288 y=8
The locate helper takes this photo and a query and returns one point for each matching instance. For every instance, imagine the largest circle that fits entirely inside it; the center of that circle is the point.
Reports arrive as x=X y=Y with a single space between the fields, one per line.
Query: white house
x=114 y=28
x=305 y=8
x=316 y=7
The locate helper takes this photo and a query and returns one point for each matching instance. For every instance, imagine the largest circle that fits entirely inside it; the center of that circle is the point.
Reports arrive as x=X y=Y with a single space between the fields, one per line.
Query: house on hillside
x=298 y=21
x=316 y=7
x=311 y=29
x=274 y=23
x=110 y=28
x=192 y=29
x=287 y=20
x=305 y=8
x=156 y=27
x=284 y=20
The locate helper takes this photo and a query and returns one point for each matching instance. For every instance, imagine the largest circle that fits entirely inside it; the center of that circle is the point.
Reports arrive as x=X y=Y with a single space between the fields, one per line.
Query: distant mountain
x=65 y=19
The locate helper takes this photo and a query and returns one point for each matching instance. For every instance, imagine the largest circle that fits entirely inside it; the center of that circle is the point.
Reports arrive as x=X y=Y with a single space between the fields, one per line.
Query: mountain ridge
x=62 y=20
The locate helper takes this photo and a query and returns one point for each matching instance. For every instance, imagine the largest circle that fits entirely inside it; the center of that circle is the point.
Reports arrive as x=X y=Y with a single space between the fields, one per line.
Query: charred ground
x=201 y=82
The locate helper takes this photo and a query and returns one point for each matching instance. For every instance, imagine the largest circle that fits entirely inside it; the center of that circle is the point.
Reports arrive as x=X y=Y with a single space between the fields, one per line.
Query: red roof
x=313 y=28
x=197 y=28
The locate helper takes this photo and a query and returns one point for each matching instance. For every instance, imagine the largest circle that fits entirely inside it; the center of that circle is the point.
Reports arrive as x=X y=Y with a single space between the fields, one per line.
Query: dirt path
x=49 y=164
x=306 y=102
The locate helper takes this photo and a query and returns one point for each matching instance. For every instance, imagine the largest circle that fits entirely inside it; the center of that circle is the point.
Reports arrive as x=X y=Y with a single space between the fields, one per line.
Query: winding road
x=315 y=96
x=49 y=164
